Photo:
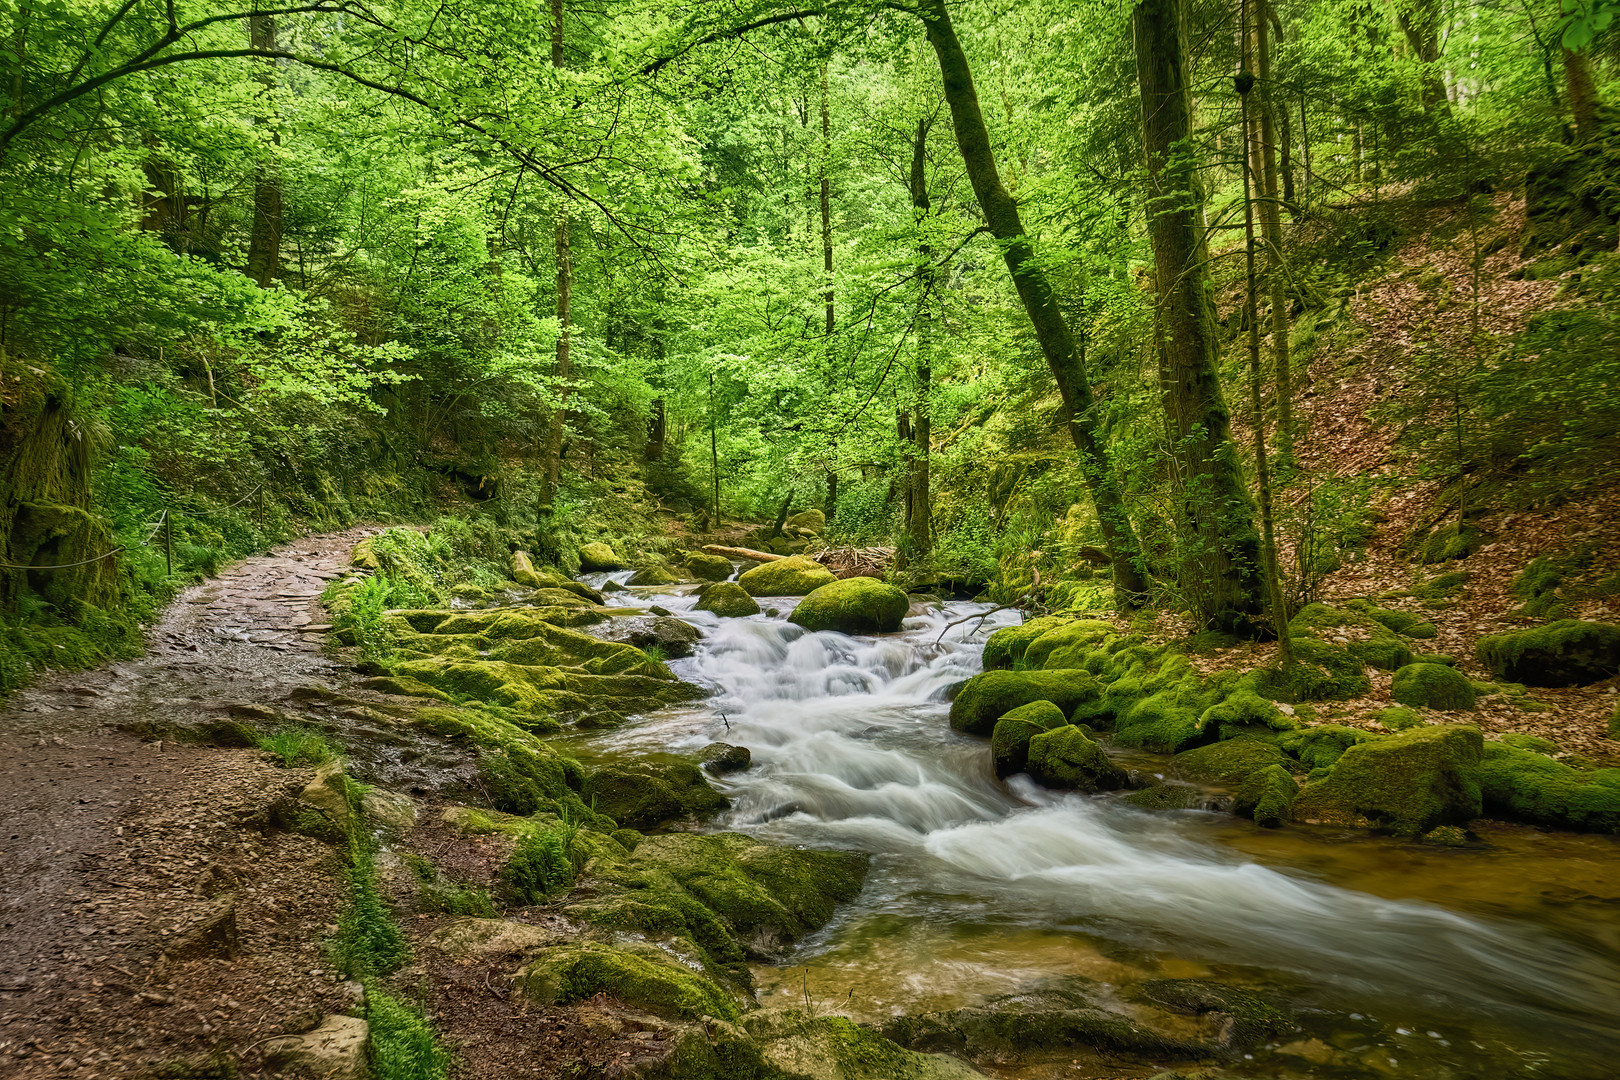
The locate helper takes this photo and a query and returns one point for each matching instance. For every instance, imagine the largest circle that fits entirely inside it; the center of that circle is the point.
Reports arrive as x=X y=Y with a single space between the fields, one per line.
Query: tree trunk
x=826 y=202
x=1220 y=565
x=264 y=242
x=714 y=452
x=564 y=367
x=1271 y=229
x=1421 y=25
x=1268 y=549
x=1040 y=303
x=1583 y=99
x=919 y=500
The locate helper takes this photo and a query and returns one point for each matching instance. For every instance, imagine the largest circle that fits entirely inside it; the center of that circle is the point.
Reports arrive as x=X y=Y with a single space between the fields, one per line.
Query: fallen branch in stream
x=981 y=616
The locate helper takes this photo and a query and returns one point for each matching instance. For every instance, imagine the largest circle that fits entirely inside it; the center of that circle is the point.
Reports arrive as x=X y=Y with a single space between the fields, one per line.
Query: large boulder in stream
x=793 y=576
x=671 y=637
x=1009 y=741
x=598 y=557
x=728 y=600
x=812 y=521
x=989 y=696
x=1064 y=758
x=1564 y=653
x=706 y=567
x=800 y=1045
x=857 y=605
x=1407 y=784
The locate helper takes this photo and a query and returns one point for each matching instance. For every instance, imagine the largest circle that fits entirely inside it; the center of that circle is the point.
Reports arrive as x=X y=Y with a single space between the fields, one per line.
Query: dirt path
x=123 y=853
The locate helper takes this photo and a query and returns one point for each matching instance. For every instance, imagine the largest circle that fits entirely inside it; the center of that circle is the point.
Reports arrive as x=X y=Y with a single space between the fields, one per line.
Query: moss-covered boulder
x=719 y=758
x=1245 y=712
x=810 y=521
x=1230 y=761
x=646 y=794
x=989 y=696
x=1406 y=784
x=728 y=600
x=524 y=572
x=1327 y=672
x=1005 y=648
x=642 y=976
x=1322 y=746
x=1569 y=652
x=597 y=558
x=857 y=605
x=793 y=576
x=1074 y=644
x=1433 y=686
x=805 y=1047
x=1009 y=740
x=1064 y=758
x=1520 y=784
x=1267 y=796
x=706 y=567
x=656 y=574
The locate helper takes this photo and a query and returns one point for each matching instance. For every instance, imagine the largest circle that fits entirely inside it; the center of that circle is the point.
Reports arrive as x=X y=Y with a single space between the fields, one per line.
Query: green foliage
x=368 y=941
x=296 y=746
x=402 y=1043
x=540 y=866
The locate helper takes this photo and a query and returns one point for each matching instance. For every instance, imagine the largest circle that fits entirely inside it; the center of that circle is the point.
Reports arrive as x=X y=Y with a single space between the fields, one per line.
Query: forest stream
x=1404 y=959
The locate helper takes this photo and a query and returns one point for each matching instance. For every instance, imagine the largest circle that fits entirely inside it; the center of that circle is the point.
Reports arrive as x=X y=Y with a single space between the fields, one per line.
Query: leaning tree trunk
x=1220 y=566
x=919 y=501
x=1039 y=300
x=264 y=242
x=1271 y=229
x=564 y=367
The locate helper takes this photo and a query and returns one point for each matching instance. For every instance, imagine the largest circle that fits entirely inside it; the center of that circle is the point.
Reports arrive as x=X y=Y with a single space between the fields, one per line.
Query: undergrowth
x=297 y=746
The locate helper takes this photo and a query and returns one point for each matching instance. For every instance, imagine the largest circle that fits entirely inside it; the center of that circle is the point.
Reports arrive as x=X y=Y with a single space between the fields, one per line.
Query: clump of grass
x=541 y=865
x=368 y=942
x=403 y=1046
x=298 y=746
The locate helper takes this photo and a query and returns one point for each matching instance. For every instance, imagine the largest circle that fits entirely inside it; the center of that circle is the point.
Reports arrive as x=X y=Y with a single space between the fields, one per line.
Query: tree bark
x=826 y=203
x=919 y=501
x=564 y=367
x=1220 y=571
x=264 y=241
x=1583 y=99
x=1271 y=228
x=1420 y=22
x=1040 y=302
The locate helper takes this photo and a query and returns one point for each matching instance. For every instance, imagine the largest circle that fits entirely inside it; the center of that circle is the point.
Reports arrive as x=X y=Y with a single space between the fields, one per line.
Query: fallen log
x=741 y=553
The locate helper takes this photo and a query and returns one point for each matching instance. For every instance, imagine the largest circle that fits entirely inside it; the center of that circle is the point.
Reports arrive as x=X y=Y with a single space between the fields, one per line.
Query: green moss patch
x=1520 y=784
x=1407 y=783
x=1321 y=747
x=1064 y=758
x=1009 y=741
x=857 y=605
x=793 y=576
x=1267 y=796
x=1433 y=686
x=639 y=975
x=1005 y=649
x=1229 y=762
x=646 y=794
x=987 y=697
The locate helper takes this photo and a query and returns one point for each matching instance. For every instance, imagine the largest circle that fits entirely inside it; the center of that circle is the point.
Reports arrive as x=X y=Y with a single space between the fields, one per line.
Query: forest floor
x=148 y=912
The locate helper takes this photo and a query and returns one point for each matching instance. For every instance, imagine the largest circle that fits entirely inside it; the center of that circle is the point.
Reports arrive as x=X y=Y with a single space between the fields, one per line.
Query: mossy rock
x=1267 y=796
x=1327 y=672
x=1404 y=623
x=719 y=757
x=798 y=1046
x=1521 y=741
x=1569 y=652
x=1321 y=747
x=1520 y=784
x=1004 y=651
x=1245 y=712
x=706 y=567
x=1064 y=758
x=1319 y=627
x=1407 y=784
x=646 y=794
x=1433 y=686
x=1009 y=741
x=728 y=600
x=655 y=575
x=641 y=976
x=857 y=605
x=1229 y=762
x=1165 y=722
x=1169 y=797
x=793 y=576
x=1450 y=542
x=812 y=521
x=595 y=558
x=1071 y=645
x=989 y=696
x=523 y=571
x=1250 y=1019
x=1442 y=587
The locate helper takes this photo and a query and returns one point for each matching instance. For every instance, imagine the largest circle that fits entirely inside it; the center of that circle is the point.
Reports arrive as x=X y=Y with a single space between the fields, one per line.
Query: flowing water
x=1402 y=960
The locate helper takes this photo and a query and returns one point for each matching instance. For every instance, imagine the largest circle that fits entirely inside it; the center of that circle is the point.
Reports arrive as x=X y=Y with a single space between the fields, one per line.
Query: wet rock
x=389 y=808
x=706 y=567
x=1009 y=740
x=1005 y=648
x=598 y=557
x=1267 y=796
x=1170 y=797
x=656 y=574
x=1433 y=686
x=1407 y=783
x=1245 y=1020
x=1229 y=762
x=672 y=637
x=793 y=576
x=1064 y=758
x=328 y=793
x=334 y=1051
x=524 y=572
x=644 y=795
x=987 y=697
x=728 y=600
x=719 y=757
x=1564 y=653
x=858 y=605
x=836 y=1048
x=470 y=940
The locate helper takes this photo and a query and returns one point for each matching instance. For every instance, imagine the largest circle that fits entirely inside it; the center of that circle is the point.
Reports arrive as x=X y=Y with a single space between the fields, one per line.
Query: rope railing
x=63 y=566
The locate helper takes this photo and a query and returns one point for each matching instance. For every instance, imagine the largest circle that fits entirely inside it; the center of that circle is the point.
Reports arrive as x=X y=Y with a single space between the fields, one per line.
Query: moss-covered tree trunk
x=1583 y=99
x=919 y=500
x=1265 y=141
x=1039 y=300
x=264 y=242
x=564 y=368
x=1220 y=563
x=1420 y=22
